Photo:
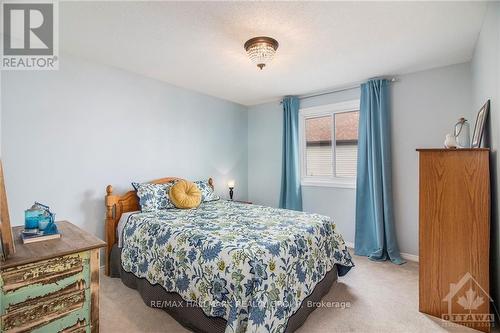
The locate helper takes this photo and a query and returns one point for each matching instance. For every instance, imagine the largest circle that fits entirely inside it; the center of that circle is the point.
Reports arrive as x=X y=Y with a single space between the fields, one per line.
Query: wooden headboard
x=116 y=205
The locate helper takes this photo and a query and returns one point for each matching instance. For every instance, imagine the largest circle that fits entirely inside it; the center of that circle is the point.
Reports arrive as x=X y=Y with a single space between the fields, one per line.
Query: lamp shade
x=230 y=183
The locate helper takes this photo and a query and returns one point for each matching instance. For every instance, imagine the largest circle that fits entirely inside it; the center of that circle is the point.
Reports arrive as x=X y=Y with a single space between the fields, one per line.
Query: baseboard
x=410 y=257
x=406 y=256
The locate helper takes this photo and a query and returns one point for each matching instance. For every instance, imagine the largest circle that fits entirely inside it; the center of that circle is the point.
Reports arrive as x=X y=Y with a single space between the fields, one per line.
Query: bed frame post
x=110 y=225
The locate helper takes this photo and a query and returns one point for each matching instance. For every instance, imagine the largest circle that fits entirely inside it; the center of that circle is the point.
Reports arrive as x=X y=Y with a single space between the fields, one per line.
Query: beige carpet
x=383 y=298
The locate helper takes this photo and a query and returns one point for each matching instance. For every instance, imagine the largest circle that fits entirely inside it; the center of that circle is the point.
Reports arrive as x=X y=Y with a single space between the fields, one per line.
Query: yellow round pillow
x=185 y=195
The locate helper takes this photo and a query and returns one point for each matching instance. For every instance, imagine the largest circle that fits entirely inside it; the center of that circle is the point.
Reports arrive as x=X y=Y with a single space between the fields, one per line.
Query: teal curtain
x=291 y=196
x=375 y=234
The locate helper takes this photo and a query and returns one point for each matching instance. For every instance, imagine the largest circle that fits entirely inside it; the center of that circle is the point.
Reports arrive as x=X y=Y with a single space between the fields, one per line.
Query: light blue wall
x=264 y=153
x=338 y=203
x=425 y=106
x=265 y=132
x=486 y=85
x=67 y=134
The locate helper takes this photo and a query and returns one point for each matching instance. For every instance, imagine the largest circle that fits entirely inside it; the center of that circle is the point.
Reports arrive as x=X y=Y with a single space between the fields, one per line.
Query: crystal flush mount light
x=261 y=50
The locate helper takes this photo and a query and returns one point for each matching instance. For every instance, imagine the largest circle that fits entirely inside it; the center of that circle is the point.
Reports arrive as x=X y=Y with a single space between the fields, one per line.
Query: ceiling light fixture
x=261 y=50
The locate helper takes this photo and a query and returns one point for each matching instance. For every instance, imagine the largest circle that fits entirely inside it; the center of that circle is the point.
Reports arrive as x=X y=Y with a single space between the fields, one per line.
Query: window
x=329 y=144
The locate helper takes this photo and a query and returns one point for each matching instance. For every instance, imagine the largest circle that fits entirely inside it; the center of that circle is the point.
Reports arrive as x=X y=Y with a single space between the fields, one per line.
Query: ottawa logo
x=468 y=304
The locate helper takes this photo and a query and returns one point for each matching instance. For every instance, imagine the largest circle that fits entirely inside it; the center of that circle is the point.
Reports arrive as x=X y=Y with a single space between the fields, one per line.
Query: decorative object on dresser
x=39 y=224
x=7 y=241
x=461 y=133
x=28 y=237
x=482 y=117
x=450 y=142
x=39 y=218
x=454 y=240
x=52 y=286
x=230 y=184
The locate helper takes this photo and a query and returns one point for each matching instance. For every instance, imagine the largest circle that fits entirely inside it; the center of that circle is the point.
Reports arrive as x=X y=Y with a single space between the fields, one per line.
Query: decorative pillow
x=185 y=195
x=153 y=196
x=207 y=192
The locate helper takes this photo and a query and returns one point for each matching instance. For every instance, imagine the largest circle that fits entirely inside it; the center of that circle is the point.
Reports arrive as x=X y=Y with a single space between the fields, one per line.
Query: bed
x=225 y=266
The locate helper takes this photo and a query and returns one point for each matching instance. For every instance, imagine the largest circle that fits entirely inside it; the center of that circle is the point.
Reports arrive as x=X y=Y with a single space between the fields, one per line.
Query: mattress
x=251 y=265
x=121 y=225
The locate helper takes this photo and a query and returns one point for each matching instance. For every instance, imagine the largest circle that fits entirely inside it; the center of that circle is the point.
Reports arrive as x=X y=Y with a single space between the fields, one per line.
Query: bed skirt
x=193 y=317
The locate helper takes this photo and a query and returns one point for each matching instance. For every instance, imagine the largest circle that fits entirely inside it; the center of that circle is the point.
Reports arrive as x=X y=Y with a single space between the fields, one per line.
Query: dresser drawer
x=52 y=286
x=43 y=272
x=47 y=296
x=53 y=312
x=35 y=280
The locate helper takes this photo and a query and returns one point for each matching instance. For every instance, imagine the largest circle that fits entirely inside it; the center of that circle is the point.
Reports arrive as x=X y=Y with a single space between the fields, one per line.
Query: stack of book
x=32 y=236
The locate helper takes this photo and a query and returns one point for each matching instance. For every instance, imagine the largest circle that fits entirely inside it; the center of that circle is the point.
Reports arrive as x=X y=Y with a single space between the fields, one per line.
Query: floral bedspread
x=251 y=265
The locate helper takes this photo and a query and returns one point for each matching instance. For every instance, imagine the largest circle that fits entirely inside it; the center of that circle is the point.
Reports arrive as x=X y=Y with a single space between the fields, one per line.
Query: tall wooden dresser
x=52 y=286
x=454 y=240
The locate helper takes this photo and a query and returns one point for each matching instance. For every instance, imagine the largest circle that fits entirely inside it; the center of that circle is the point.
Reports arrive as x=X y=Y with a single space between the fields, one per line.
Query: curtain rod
x=354 y=86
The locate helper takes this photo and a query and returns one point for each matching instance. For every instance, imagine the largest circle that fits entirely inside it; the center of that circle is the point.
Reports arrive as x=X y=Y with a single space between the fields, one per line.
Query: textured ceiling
x=323 y=45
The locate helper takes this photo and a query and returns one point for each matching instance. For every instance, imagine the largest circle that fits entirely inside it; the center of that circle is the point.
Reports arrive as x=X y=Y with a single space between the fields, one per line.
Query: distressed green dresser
x=52 y=286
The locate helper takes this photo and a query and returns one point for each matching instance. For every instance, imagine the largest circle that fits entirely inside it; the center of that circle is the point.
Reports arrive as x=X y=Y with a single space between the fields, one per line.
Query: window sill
x=328 y=183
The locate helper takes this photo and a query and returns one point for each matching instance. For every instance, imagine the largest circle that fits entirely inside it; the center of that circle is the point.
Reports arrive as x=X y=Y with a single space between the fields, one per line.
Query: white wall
x=485 y=84
x=67 y=134
x=425 y=106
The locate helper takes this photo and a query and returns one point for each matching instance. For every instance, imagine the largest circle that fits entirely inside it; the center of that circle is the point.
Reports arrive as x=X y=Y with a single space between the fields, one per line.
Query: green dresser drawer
x=51 y=286
x=47 y=296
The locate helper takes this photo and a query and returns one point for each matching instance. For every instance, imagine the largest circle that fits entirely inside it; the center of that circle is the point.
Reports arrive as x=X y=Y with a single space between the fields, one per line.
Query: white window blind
x=329 y=144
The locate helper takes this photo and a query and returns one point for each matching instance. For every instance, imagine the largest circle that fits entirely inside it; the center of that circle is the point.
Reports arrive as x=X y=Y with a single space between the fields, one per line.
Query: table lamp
x=230 y=184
